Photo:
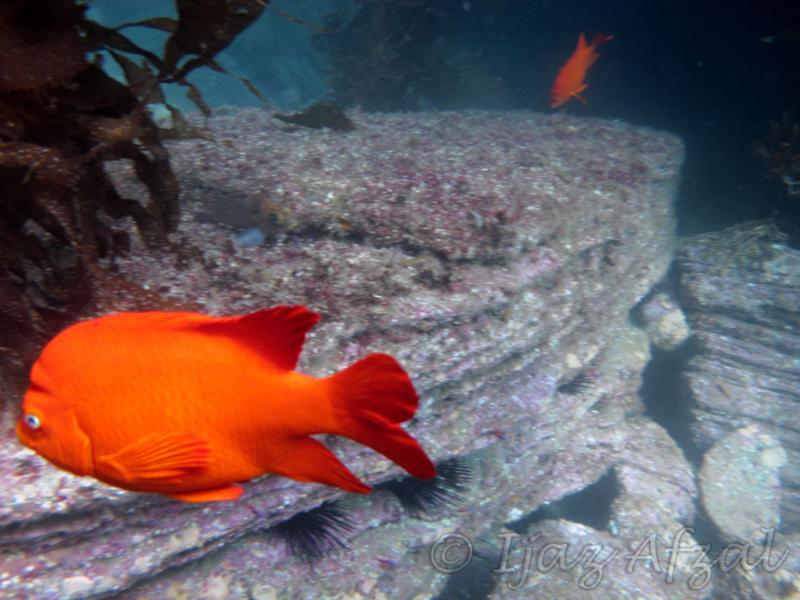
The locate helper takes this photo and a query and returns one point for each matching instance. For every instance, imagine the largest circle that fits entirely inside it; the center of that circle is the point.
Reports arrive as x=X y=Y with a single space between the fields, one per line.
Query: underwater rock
x=739 y=484
x=664 y=321
x=740 y=289
x=652 y=461
x=648 y=517
x=571 y=561
x=767 y=571
x=496 y=255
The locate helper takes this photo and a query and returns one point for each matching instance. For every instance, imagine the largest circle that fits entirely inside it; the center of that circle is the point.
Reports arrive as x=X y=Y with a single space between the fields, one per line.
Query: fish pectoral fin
x=306 y=459
x=158 y=456
x=226 y=492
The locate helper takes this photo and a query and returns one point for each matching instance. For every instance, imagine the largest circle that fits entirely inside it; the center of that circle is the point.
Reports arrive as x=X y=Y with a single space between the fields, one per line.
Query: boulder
x=740 y=484
x=496 y=255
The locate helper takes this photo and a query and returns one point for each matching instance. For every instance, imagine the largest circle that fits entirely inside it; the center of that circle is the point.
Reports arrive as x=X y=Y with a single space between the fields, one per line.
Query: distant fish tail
x=370 y=399
x=600 y=38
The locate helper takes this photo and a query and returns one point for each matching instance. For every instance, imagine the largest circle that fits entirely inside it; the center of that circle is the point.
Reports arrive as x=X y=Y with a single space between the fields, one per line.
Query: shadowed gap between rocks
x=667 y=401
x=666 y=398
x=477 y=580
x=590 y=506
x=664 y=392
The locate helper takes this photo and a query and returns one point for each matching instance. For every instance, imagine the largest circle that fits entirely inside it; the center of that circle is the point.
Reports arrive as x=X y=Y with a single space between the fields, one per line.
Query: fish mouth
x=22 y=435
x=73 y=454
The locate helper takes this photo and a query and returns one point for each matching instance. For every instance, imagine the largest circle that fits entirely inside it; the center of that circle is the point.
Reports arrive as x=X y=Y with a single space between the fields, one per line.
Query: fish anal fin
x=276 y=333
x=157 y=457
x=310 y=460
x=227 y=492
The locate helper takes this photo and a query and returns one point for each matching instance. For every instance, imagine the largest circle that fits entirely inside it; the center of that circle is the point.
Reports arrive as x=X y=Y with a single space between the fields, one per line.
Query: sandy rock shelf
x=497 y=255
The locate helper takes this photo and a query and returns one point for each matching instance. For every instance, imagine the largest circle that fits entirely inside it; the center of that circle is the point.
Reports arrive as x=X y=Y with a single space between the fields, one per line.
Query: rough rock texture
x=631 y=558
x=664 y=321
x=740 y=289
x=739 y=484
x=764 y=571
x=575 y=562
x=497 y=255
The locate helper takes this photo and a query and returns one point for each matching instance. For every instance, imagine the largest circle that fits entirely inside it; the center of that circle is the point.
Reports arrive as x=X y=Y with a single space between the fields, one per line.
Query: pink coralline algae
x=497 y=255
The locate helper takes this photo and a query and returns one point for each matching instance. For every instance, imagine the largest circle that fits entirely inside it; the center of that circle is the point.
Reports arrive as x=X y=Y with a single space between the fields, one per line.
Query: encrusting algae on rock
x=487 y=326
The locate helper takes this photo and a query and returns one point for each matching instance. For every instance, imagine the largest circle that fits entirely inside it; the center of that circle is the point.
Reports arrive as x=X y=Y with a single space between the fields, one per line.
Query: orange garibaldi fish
x=188 y=405
x=570 y=82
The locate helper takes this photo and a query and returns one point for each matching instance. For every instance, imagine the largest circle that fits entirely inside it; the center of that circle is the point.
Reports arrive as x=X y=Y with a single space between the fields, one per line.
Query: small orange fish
x=570 y=82
x=188 y=405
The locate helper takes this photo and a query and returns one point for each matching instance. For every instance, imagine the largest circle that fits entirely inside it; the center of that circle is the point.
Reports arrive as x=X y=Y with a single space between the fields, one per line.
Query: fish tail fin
x=370 y=399
x=600 y=38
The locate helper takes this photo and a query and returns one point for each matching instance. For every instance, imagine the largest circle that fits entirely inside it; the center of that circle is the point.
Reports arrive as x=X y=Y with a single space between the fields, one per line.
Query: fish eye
x=32 y=421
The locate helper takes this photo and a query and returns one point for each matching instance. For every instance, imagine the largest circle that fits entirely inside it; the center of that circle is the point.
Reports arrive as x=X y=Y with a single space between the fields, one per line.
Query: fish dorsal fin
x=276 y=333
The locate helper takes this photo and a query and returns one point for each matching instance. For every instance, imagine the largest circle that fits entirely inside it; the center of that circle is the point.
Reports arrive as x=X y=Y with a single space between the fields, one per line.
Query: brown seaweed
x=61 y=118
